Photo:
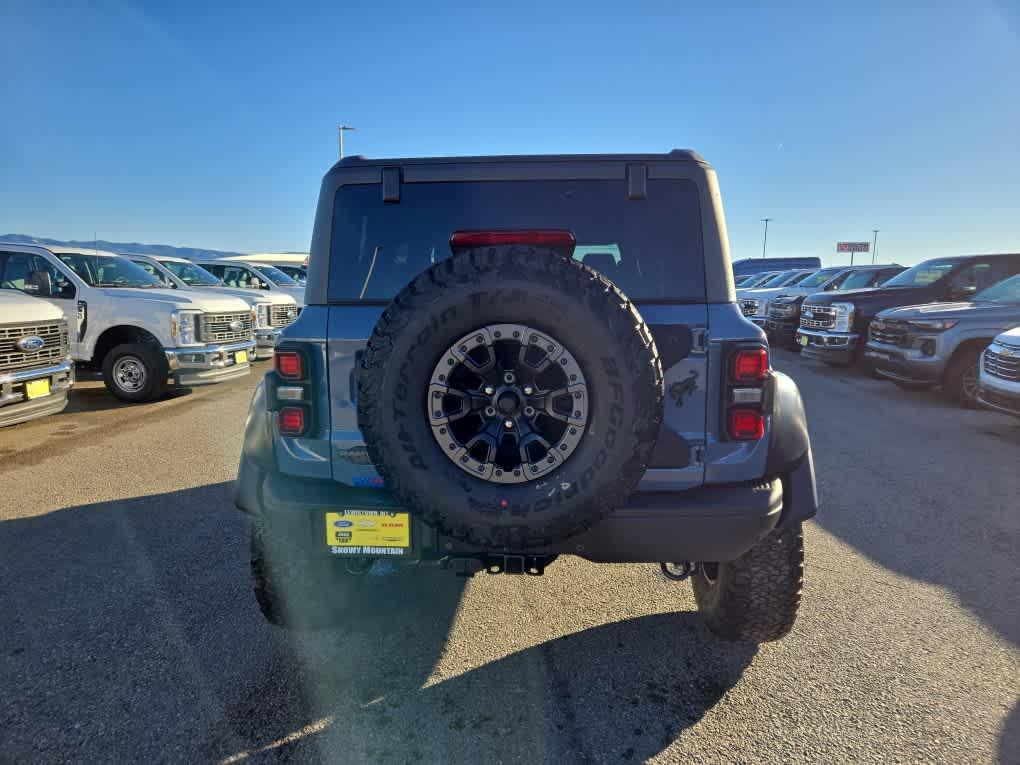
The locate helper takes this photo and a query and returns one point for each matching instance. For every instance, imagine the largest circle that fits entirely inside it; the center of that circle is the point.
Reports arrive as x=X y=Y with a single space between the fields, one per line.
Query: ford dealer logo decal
x=30 y=343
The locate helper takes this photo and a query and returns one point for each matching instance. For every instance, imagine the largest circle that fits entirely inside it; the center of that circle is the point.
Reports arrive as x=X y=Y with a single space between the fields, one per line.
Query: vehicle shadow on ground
x=944 y=512
x=130 y=634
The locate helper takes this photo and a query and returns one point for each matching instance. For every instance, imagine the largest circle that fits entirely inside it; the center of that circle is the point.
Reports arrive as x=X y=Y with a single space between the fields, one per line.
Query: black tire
x=124 y=361
x=755 y=597
x=595 y=323
x=299 y=589
x=961 y=376
x=294 y=588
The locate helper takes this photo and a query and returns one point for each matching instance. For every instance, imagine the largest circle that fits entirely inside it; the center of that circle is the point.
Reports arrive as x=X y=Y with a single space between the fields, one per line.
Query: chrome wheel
x=507 y=403
x=129 y=374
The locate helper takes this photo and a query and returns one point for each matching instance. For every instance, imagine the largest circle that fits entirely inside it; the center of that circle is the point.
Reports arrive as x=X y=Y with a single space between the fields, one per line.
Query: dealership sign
x=853 y=246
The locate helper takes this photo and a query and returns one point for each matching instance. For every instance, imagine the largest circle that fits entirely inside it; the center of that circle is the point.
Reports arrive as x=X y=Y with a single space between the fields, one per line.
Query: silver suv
x=941 y=343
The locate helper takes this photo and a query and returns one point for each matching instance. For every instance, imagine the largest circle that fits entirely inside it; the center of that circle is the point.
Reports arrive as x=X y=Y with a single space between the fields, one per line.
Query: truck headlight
x=844 y=316
x=262 y=315
x=184 y=327
x=934 y=325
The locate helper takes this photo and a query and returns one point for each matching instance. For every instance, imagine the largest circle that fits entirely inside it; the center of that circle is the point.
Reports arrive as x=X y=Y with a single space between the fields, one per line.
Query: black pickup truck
x=834 y=326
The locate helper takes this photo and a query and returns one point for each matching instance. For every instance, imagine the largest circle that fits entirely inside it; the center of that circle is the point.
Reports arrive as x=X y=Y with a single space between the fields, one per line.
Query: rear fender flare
x=790 y=451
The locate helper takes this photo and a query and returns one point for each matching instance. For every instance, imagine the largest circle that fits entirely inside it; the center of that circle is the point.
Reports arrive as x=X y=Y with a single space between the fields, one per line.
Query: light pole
x=874 y=246
x=340 y=135
x=765 y=237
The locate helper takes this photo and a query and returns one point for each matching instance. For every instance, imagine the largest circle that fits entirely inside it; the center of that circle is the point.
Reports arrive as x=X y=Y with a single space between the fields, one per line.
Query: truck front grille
x=749 y=307
x=224 y=327
x=817 y=317
x=1002 y=366
x=283 y=315
x=889 y=332
x=56 y=345
x=782 y=310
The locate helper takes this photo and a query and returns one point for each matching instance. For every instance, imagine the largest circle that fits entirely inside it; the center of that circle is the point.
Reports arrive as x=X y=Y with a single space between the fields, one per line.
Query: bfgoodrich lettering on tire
x=510 y=396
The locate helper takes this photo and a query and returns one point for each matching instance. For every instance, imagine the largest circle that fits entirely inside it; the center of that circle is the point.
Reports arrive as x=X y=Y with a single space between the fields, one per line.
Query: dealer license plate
x=368 y=532
x=803 y=340
x=37 y=388
x=241 y=357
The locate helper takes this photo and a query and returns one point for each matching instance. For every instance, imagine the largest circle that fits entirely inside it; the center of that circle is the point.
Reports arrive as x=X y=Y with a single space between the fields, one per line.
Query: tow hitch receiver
x=532 y=565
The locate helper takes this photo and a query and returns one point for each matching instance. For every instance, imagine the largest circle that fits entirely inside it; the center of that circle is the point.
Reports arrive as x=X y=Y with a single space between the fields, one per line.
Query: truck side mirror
x=39 y=283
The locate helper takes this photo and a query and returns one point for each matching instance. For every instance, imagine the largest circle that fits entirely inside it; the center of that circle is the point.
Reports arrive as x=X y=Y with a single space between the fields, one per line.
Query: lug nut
x=489 y=390
x=528 y=390
x=490 y=411
x=529 y=411
x=508 y=424
x=509 y=378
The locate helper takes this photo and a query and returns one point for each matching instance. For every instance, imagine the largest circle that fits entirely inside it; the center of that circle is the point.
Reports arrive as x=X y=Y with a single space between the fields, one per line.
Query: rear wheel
x=756 y=596
x=135 y=372
x=961 y=378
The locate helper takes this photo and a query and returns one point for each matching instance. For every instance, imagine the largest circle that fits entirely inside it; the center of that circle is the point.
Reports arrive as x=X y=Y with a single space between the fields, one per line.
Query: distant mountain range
x=159 y=250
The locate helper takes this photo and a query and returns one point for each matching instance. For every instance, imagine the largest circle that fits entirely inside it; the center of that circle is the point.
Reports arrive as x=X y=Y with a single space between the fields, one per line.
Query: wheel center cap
x=508 y=402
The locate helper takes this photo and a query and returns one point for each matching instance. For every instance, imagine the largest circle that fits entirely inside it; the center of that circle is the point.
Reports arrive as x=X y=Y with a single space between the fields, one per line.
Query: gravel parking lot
x=129 y=633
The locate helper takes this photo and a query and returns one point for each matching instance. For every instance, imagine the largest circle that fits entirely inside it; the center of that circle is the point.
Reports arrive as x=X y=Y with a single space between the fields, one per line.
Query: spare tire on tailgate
x=510 y=396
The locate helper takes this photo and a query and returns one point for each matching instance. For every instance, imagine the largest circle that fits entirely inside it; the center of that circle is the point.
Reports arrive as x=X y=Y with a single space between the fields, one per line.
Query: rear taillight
x=749 y=367
x=746 y=424
x=289 y=391
x=553 y=238
x=292 y=420
x=289 y=365
x=744 y=393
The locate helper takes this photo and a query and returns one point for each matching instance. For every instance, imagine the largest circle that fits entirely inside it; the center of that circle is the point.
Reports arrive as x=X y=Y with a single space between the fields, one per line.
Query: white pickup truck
x=273 y=310
x=122 y=322
x=255 y=276
x=36 y=371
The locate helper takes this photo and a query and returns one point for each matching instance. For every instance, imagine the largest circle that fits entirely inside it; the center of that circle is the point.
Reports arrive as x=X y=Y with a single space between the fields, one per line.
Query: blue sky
x=176 y=124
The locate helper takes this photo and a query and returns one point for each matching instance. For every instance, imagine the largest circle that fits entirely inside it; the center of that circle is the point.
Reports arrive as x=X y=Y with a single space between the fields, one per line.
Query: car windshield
x=785 y=279
x=857 y=280
x=1007 y=291
x=924 y=273
x=276 y=276
x=108 y=270
x=818 y=278
x=190 y=274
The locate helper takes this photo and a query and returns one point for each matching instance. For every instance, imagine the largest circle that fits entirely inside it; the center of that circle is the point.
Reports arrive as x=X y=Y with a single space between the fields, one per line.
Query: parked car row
x=138 y=320
x=945 y=322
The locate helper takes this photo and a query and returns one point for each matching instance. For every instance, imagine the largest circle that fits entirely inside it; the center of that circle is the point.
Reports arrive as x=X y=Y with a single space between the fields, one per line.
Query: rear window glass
x=650 y=247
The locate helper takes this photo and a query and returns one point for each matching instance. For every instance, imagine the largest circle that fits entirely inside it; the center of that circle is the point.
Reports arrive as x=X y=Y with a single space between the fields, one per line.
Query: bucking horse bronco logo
x=685 y=388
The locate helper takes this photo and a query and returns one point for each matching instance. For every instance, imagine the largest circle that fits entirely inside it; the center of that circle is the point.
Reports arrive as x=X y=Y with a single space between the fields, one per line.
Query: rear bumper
x=15 y=407
x=208 y=364
x=710 y=523
x=831 y=347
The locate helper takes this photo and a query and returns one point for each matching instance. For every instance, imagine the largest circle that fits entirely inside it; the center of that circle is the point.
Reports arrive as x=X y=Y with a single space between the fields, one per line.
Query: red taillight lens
x=291 y=420
x=746 y=424
x=538 y=238
x=750 y=366
x=289 y=365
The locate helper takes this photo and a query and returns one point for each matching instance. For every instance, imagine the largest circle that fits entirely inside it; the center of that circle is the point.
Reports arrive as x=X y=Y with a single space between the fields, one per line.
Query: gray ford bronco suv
x=506 y=359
